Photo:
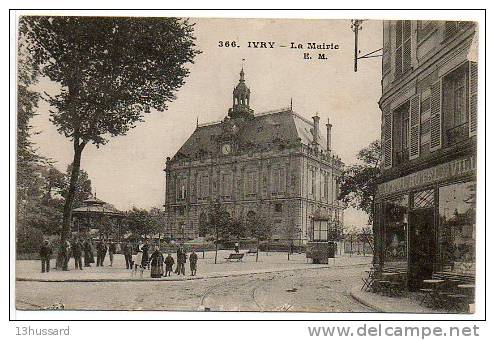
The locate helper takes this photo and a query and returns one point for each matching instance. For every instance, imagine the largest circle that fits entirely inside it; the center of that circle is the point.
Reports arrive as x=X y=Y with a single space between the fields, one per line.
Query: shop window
x=457 y=220
x=423 y=199
x=395 y=230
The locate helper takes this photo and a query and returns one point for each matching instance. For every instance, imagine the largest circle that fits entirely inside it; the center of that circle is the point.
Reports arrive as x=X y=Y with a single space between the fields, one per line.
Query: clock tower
x=240 y=99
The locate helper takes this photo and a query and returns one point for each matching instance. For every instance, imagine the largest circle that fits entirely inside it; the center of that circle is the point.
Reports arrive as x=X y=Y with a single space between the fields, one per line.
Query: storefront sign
x=432 y=175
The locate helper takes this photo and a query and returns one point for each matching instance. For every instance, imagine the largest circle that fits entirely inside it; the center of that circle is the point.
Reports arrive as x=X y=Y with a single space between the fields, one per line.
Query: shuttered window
x=473 y=98
x=387 y=137
x=425 y=121
x=414 y=121
x=402 y=47
x=436 y=116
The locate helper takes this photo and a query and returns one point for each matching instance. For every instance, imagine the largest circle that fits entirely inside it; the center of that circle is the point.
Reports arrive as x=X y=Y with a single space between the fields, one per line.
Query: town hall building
x=276 y=162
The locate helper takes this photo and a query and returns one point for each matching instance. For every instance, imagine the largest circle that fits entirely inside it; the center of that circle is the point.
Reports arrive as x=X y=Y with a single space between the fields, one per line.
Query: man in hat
x=77 y=249
x=46 y=252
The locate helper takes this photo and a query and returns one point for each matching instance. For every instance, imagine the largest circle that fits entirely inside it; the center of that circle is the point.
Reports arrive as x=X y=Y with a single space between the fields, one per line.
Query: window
x=204 y=186
x=181 y=188
x=425 y=122
x=395 y=230
x=401 y=134
x=455 y=105
x=226 y=185
x=325 y=189
x=402 y=47
x=278 y=181
x=251 y=183
x=320 y=230
x=457 y=220
x=278 y=207
x=313 y=182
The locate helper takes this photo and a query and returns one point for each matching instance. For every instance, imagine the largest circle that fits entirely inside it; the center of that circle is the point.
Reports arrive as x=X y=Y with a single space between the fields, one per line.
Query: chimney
x=316 y=128
x=329 y=136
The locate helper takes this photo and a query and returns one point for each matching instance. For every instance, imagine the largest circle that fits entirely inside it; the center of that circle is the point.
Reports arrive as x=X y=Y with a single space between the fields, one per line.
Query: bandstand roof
x=95 y=206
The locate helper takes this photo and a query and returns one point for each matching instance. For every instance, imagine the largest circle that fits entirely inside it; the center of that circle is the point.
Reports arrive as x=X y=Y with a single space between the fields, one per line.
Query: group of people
x=136 y=258
x=160 y=265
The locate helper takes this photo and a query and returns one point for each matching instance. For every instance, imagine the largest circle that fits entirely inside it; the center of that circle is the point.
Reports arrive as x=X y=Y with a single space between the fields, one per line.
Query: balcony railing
x=401 y=156
x=457 y=134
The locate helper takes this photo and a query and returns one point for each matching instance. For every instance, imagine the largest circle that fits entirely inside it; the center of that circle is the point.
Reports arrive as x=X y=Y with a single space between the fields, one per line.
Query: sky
x=128 y=171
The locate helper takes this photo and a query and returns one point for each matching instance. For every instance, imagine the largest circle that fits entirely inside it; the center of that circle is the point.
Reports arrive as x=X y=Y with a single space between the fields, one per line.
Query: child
x=137 y=259
x=169 y=263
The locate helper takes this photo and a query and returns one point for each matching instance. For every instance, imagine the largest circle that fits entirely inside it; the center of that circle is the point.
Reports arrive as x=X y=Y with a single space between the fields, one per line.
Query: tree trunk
x=69 y=200
x=257 y=248
x=216 y=246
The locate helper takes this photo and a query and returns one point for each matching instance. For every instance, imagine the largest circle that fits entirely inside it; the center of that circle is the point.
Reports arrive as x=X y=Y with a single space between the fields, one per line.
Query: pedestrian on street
x=46 y=252
x=169 y=263
x=182 y=262
x=101 y=250
x=138 y=263
x=127 y=250
x=193 y=262
x=179 y=256
x=65 y=253
x=88 y=253
x=156 y=262
x=145 y=248
x=236 y=247
x=77 y=249
x=112 y=249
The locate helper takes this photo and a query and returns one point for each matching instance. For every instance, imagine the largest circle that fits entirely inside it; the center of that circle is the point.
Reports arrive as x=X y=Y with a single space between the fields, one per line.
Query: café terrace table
x=432 y=292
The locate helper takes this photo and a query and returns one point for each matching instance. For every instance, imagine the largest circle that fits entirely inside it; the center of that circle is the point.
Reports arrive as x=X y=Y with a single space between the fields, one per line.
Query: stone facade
x=277 y=162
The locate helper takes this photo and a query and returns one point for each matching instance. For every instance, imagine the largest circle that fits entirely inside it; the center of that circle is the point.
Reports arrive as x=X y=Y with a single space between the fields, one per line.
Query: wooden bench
x=235 y=256
x=252 y=252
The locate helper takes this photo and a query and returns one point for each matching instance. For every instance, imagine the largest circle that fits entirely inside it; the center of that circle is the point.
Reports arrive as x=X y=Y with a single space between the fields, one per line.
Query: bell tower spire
x=240 y=98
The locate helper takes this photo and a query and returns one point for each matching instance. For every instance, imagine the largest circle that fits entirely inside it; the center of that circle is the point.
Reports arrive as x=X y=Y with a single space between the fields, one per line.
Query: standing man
x=236 y=247
x=45 y=255
x=182 y=262
x=65 y=254
x=77 y=248
x=112 y=249
x=100 y=251
x=193 y=261
x=88 y=253
x=127 y=250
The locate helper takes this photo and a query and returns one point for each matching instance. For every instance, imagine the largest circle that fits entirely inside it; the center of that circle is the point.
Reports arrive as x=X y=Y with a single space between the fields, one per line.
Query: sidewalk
x=386 y=304
x=29 y=270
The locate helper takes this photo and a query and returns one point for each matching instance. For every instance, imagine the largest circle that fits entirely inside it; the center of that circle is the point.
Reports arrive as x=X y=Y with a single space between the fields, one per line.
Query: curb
x=188 y=278
x=363 y=301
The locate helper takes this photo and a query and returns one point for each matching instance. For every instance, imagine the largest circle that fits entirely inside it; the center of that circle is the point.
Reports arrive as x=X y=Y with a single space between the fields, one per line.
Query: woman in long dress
x=156 y=262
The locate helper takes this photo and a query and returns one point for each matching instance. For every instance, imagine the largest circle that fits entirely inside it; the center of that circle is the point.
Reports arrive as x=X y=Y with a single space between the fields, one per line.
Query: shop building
x=425 y=205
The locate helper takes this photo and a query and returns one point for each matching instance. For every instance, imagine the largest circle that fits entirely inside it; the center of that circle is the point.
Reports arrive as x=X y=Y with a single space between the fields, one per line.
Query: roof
x=266 y=130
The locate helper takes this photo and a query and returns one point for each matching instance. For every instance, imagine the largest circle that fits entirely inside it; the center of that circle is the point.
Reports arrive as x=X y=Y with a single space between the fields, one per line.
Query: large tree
x=359 y=183
x=110 y=71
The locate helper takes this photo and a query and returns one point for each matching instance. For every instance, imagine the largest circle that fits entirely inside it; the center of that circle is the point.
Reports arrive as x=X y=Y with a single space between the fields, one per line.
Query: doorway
x=422 y=246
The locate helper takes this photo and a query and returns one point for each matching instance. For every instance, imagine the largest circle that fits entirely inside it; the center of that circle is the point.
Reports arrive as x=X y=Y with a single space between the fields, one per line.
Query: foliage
x=140 y=223
x=218 y=222
x=359 y=181
x=110 y=71
x=28 y=240
x=259 y=227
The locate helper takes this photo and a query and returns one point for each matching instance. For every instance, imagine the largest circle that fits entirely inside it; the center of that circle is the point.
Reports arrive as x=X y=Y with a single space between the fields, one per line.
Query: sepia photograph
x=208 y=164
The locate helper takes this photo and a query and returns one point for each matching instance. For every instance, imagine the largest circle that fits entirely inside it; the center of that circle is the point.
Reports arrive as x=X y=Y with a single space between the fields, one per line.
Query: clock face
x=226 y=149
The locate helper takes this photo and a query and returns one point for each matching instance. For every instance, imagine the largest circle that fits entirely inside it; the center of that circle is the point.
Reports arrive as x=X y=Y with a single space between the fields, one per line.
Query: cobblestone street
x=308 y=288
